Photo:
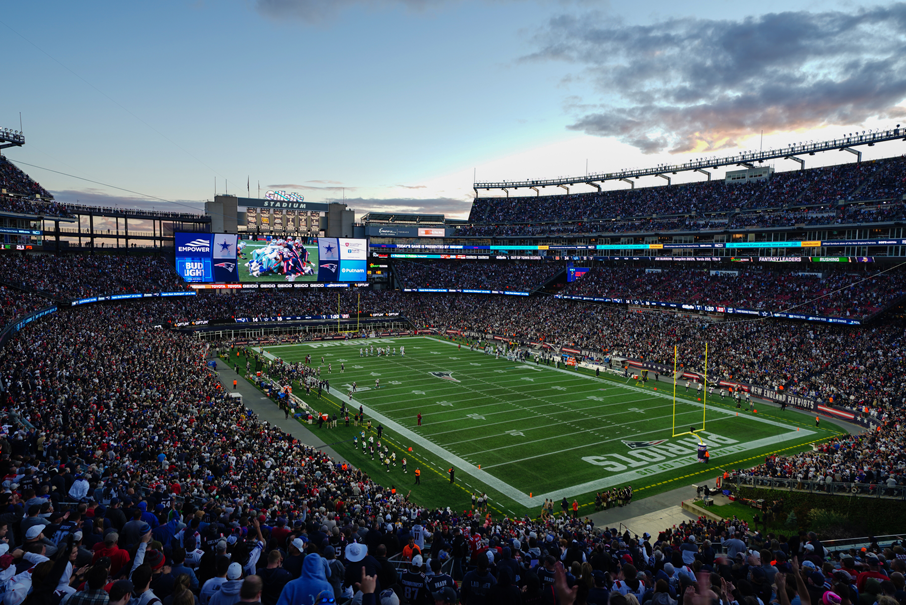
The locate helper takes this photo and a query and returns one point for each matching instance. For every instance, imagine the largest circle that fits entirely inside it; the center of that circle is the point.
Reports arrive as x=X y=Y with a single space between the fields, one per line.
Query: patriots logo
x=228 y=266
x=635 y=445
x=444 y=376
x=332 y=267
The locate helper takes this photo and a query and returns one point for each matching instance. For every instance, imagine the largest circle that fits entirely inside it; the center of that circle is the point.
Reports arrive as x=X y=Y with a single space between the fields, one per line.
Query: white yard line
x=522 y=498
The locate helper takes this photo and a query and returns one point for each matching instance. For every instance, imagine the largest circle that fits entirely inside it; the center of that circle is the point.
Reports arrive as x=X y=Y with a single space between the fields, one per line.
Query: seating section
x=476 y=275
x=79 y=276
x=836 y=294
x=643 y=209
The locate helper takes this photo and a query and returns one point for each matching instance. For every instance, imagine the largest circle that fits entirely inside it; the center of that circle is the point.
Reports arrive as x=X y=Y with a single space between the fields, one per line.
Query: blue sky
x=395 y=104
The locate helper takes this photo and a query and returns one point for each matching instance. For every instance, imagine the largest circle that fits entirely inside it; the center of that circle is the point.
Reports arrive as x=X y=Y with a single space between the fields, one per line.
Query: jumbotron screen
x=326 y=259
x=219 y=258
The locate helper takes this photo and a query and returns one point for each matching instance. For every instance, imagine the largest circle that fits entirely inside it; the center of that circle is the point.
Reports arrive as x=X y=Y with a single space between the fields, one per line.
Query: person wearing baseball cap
x=229 y=590
x=413 y=581
x=445 y=596
x=295 y=556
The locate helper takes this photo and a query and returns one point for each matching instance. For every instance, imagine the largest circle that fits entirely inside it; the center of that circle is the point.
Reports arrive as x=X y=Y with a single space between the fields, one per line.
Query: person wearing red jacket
x=119 y=557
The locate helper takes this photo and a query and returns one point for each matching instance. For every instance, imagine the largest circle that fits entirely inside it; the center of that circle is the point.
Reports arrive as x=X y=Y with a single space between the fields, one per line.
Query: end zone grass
x=523 y=432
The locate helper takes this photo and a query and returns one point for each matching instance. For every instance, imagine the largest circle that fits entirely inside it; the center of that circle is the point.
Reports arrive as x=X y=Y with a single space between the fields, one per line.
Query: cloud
x=691 y=84
x=413 y=186
x=336 y=187
x=315 y=11
x=450 y=207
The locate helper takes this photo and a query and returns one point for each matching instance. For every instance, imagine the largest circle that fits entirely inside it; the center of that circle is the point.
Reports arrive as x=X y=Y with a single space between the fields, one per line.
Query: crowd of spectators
x=141 y=479
x=828 y=293
x=874 y=457
x=881 y=179
x=68 y=277
x=17 y=182
x=856 y=213
x=21 y=205
x=524 y=276
x=858 y=366
x=15 y=304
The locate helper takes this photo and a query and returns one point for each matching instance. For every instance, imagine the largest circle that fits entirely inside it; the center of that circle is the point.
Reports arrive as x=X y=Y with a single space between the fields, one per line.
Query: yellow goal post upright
x=357 y=316
x=704 y=399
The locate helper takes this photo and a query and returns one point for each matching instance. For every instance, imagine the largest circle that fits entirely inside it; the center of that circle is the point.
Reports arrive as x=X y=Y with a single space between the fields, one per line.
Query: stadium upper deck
x=863 y=192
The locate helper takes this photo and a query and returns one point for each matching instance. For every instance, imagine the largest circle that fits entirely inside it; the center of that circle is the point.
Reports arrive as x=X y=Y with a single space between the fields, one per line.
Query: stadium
x=604 y=389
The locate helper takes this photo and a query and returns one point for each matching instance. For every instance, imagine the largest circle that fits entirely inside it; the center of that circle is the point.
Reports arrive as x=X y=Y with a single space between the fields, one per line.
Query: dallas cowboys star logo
x=224 y=246
x=328 y=248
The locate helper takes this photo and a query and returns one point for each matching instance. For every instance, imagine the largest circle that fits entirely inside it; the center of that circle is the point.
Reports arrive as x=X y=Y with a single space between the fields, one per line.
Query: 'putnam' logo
x=634 y=445
x=444 y=376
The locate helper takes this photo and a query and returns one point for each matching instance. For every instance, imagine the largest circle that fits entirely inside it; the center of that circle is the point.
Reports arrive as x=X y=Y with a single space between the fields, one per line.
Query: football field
x=523 y=432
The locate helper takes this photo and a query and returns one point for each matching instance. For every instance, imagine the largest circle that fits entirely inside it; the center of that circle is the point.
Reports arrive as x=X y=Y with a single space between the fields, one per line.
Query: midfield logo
x=634 y=445
x=444 y=376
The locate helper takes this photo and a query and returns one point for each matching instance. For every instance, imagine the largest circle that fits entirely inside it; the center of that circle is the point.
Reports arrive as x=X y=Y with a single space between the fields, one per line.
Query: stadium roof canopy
x=747 y=159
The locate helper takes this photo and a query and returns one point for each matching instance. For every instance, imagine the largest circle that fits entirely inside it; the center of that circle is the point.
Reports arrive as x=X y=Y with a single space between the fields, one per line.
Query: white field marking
x=659 y=394
x=462 y=400
x=538 y=415
x=437 y=387
x=460 y=464
x=512 y=404
x=766 y=441
x=634 y=437
x=610 y=426
x=660 y=467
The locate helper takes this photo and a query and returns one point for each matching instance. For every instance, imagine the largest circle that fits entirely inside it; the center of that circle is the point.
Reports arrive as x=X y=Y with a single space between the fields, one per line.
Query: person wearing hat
x=35 y=535
x=296 y=556
x=229 y=590
x=212 y=585
x=309 y=587
x=413 y=580
x=357 y=558
x=336 y=569
x=873 y=571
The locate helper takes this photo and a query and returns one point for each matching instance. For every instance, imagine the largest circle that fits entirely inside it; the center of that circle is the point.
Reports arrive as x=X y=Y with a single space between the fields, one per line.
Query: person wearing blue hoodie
x=229 y=590
x=308 y=588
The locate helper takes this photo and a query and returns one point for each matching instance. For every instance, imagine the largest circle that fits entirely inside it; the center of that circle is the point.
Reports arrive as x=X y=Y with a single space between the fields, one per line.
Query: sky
x=398 y=105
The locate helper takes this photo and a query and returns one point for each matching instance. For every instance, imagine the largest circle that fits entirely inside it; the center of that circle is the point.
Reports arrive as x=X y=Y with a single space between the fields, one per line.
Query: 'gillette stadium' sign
x=282 y=200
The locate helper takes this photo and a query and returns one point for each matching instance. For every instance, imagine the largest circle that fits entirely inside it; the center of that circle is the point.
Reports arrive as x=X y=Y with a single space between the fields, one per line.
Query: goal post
x=692 y=430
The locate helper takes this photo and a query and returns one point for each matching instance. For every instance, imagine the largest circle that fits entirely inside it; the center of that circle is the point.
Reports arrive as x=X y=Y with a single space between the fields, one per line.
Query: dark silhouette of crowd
x=829 y=293
x=620 y=211
x=524 y=276
x=68 y=277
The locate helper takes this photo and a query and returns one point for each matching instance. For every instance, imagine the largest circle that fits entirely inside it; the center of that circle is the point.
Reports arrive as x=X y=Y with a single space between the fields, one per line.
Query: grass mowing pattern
x=531 y=427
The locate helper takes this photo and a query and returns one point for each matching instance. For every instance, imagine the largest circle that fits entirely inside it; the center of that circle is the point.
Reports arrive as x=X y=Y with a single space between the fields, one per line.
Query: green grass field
x=245 y=276
x=524 y=432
